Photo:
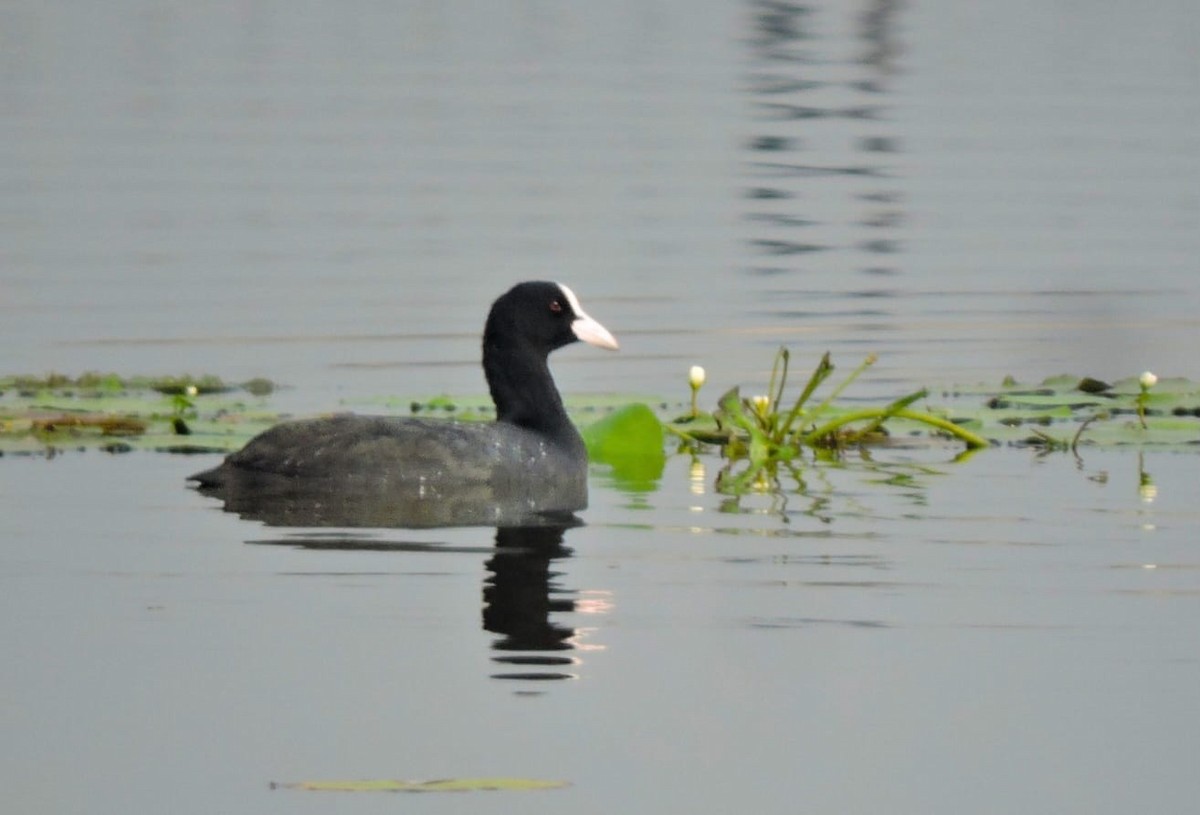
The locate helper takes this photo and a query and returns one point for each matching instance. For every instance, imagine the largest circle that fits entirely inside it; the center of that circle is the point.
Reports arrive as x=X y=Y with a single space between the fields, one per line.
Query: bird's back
x=393 y=450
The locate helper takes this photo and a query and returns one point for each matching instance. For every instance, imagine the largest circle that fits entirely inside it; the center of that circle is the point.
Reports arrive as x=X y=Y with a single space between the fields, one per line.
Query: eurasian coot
x=531 y=447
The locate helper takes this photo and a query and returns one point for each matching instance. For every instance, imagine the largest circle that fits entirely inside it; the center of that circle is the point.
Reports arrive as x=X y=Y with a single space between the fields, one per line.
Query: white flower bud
x=1148 y=380
x=696 y=377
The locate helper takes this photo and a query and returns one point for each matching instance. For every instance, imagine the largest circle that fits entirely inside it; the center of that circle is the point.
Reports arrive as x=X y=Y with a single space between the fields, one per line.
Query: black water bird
x=424 y=472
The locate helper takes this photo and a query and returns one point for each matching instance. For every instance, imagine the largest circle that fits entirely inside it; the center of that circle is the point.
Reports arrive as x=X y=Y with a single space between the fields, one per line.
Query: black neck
x=523 y=390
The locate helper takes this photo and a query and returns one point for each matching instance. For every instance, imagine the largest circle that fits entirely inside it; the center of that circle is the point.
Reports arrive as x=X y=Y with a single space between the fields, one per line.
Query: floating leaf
x=437 y=785
x=630 y=432
x=630 y=440
x=54 y=413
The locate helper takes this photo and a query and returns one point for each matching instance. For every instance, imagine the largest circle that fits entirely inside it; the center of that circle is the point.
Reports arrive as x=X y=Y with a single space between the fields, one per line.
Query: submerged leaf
x=437 y=785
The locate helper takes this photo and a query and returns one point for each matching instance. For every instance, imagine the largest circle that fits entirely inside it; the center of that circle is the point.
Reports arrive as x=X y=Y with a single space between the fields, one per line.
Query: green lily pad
x=633 y=431
x=39 y=415
x=630 y=440
x=1062 y=411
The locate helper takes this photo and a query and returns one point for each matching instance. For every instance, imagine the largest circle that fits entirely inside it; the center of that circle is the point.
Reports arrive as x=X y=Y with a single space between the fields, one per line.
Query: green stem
x=820 y=374
x=779 y=372
x=866 y=363
x=683 y=434
x=966 y=436
x=972 y=440
x=889 y=412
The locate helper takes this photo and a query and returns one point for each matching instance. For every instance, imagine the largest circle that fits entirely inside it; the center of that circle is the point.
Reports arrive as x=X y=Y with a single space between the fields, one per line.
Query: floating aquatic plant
x=766 y=430
x=696 y=378
x=47 y=414
x=766 y=426
x=1146 y=381
x=630 y=440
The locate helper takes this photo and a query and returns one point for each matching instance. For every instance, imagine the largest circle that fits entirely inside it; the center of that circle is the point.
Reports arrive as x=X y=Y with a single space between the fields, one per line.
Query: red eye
x=556 y=306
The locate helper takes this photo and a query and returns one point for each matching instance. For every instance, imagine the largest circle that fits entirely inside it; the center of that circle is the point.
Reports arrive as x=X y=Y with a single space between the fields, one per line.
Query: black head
x=542 y=316
x=525 y=324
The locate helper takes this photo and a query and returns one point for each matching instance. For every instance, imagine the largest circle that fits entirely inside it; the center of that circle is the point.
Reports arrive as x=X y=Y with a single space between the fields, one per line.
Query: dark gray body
x=392 y=471
x=395 y=450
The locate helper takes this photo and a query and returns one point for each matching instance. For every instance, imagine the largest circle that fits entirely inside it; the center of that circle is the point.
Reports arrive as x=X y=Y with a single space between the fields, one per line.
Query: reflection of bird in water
x=520 y=596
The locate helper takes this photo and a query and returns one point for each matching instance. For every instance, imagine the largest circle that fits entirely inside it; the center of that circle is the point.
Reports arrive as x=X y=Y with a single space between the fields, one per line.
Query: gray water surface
x=332 y=196
x=966 y=639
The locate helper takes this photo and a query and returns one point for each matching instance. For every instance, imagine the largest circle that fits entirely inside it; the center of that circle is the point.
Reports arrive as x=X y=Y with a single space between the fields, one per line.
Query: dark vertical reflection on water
x=520 y=593
x=821 y=193
x=519 y=596
x=883 y=214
